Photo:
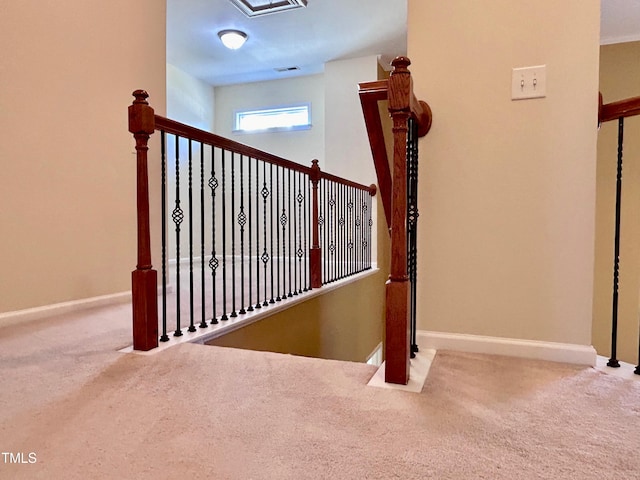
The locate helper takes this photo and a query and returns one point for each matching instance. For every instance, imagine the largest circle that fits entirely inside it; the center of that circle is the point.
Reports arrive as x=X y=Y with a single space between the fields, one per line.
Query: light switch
x=529 y=82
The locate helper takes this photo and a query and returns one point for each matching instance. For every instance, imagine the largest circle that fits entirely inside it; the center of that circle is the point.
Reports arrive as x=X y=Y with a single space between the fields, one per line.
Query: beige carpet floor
x=196 y=412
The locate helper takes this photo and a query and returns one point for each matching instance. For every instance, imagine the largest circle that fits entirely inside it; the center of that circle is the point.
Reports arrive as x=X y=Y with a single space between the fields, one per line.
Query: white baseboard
x=534 y=349
x=37 y=313
x=30 y=314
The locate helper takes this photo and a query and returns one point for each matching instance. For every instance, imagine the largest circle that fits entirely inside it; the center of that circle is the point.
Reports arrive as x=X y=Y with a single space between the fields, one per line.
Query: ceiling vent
x=286 y=69
x=253 y=8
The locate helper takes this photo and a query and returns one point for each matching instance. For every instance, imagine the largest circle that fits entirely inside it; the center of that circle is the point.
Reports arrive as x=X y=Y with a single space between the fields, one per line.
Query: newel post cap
x=141 y=115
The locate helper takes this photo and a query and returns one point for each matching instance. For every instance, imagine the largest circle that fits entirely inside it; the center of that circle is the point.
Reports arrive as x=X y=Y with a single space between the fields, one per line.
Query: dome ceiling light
x=232 y=39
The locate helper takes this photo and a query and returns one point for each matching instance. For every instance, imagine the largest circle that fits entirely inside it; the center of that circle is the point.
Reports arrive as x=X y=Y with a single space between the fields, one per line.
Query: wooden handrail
x=622 y=108
x=208 y=138
x=370 y=94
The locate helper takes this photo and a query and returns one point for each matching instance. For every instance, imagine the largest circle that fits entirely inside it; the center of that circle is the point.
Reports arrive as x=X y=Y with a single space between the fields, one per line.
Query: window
x=293 y=117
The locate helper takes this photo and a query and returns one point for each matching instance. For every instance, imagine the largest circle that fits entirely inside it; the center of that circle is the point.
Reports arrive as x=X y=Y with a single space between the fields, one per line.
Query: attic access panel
x=253 y=8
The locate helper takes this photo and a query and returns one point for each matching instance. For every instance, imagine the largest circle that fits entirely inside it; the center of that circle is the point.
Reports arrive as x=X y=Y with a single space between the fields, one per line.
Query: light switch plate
x=529 y=82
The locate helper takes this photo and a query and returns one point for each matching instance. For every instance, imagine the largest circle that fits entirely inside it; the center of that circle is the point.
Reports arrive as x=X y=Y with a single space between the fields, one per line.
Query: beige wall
x=67 y=198
x=346 y=143
x=299 y=146
x=189 y=100
x=619 y=73
x=507 y=188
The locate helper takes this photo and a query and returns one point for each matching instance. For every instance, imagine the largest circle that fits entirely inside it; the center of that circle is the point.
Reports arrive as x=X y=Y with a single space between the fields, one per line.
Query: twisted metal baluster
x=613 y=361
x=177 y=216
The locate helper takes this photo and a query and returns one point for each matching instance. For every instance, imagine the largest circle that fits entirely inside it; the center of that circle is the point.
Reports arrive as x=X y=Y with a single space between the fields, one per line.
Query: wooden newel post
x=144 y=280
x=397 y=289
x=315 y=257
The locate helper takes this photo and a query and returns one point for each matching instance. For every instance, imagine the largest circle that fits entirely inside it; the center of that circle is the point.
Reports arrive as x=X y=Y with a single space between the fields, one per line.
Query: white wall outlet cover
x=529 y=82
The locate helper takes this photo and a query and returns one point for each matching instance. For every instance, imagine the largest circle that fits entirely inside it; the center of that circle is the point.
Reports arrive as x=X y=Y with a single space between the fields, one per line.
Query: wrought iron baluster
x=283 y=223
x=233 y=235
x=412 y=224
x=249 y=198
x=350 y=232
x=258 y=304
x=192 y=327
x=278 y=298
x=224 y=240
x=163 y=187
x=203 y=322
x=265 y=255
x=613 y=361
x=307 y=232
x=293 y=216
x=295 y=231
x=300 y=252
x=213 y=262
x=242 y=220
x=271 y=220
x=332 y=232
x=177 y=216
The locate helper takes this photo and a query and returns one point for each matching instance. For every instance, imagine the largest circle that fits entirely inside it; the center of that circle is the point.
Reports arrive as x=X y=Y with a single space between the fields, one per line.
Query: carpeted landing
x=196 y=411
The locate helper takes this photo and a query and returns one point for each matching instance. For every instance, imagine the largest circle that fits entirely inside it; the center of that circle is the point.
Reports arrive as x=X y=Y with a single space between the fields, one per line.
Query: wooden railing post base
x=315 y=264
x=145 y=309
x=397 y=334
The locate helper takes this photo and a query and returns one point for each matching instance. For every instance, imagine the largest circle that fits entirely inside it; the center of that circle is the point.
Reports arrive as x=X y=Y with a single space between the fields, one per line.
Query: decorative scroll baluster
x=277 y=228
x=258 y=304
x=213 y=262
x=299 y=252
x=283 y=223
x=177 y=216
x=295 y=230
x=192 y=327
x=265 y=255
x=242 y=220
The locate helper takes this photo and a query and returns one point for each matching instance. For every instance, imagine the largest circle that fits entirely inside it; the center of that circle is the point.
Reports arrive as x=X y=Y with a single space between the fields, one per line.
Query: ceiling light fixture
x=232 y=39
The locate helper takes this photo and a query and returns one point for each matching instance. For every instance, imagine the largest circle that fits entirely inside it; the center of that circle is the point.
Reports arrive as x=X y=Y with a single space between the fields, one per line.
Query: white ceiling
x=620 y=21
x=309 y=37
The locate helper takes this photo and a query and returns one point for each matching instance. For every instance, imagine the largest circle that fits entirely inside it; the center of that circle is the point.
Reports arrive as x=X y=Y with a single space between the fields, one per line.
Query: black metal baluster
x=332 y=231
x=412 y=224
x=613 y=361
x=249 y=198
x=213 y=262
x=307 y=226
x=358 y=223
x=369 y=233
x=350 y=227
x=258 y=304
x=283 y=223
x=278 y=298
x=265 y=255
x=322 y=229
x=224 y=240
x=233 y=236
x=295 y=230
x=271 y=220
x=203 y=322
x=293 y=216
x=242 y=220
x=192 y=327
x=300 y=252
x=163 y=187
x=177 y=216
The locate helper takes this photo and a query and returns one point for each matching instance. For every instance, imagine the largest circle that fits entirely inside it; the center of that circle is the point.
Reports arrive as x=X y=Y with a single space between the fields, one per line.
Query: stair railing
x=398 y=189
x=608 y=112
x=260 y=228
